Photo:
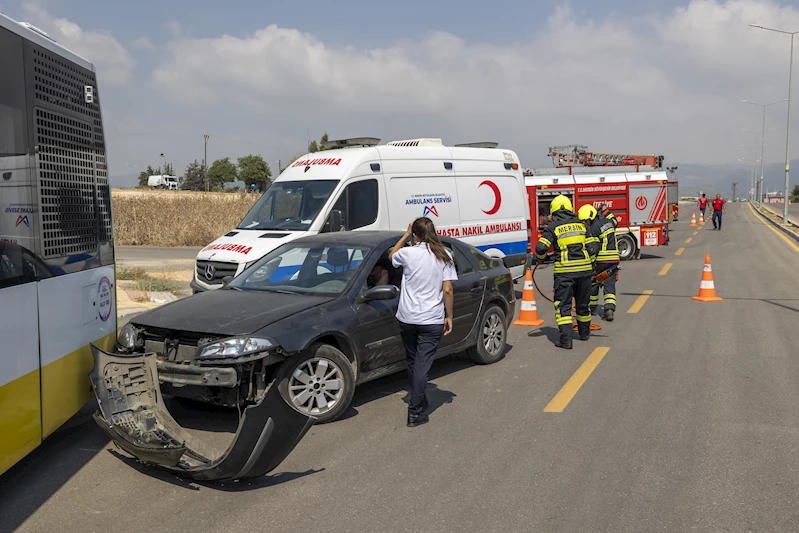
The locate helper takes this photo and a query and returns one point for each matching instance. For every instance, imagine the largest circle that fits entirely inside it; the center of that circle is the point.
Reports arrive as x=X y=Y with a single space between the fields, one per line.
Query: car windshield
x=313 y=269
x=289 y=205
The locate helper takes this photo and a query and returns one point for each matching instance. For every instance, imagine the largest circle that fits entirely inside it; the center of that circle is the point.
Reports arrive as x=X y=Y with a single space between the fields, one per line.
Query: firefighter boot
x=584 y=329
x=594 y=310
x=609 y=315
x=566 y=337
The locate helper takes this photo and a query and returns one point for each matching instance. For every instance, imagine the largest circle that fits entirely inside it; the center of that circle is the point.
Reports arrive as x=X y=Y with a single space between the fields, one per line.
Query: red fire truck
x=638 y=194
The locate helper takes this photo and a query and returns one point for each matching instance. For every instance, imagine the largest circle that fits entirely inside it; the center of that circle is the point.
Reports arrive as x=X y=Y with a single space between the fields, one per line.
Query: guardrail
x=788 y=231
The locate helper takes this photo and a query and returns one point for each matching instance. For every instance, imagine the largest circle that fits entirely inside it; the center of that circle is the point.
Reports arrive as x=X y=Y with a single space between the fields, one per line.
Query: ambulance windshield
x=289 y=205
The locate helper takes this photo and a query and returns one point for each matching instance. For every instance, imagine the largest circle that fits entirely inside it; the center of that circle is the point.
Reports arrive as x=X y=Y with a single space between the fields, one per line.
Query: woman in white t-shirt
x=425 y=306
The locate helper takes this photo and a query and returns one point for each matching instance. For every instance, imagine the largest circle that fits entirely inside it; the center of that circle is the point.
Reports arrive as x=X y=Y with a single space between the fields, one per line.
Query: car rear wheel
x=626 y=245
x=491 y=337
x=318 y=382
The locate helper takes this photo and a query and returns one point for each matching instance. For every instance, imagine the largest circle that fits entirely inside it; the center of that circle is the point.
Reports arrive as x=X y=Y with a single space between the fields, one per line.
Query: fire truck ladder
x=578 y=155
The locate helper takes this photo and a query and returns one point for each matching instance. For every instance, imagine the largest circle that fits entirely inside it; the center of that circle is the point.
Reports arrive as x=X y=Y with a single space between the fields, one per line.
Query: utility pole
x=734 y=190
x=205 y=162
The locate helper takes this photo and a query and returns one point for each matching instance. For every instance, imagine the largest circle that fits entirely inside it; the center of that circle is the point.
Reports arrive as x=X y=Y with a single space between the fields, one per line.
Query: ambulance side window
x=359 y=203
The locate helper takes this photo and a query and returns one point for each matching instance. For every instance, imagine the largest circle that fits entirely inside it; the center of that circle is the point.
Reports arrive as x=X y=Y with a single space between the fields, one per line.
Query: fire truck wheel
x=626 y=245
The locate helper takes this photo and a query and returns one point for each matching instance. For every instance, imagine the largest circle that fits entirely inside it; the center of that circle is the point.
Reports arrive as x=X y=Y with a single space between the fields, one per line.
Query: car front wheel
x=318 y=382
x=491 y=337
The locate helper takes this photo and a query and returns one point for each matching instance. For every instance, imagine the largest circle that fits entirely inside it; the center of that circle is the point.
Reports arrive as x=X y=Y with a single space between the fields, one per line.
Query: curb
x=121 y=313
x=790 y=233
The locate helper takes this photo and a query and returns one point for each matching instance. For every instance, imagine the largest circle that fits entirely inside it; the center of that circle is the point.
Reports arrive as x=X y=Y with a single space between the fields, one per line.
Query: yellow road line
x=689 y=239
x=780 y=235
x=665 y=269
x=696 y=233
x=565 y=394
x=679 y=251
x=640 y=301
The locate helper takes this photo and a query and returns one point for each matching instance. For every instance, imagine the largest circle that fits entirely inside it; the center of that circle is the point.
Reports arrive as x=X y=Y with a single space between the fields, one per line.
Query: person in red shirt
x=719 y=207
x=703 y=204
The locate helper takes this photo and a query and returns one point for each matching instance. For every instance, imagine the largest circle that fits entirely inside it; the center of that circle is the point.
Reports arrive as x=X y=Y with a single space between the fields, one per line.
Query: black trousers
x=717 y=219
x=608 y=288
x=421 y=343
x=566 y=288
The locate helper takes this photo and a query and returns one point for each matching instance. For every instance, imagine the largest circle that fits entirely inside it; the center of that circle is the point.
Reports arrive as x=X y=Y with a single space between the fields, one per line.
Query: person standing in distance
x=425 y=306
x=719 y=207
x=575 y=252
x=703 y=204
x=602 y=226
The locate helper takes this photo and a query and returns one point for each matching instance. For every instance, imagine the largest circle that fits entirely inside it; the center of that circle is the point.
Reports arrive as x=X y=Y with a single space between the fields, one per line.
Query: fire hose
x=596 y=281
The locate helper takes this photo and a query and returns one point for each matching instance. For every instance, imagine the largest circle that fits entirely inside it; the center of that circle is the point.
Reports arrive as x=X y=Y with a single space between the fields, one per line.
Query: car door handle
x=477 y=289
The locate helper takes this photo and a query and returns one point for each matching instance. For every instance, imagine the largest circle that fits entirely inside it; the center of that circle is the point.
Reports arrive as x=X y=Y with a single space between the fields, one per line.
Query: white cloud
x=113 y=62
x=671 y=85
x=143 y=43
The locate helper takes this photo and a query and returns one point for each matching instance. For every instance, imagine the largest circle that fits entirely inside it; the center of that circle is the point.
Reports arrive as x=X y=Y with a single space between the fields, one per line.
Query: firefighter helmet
x=586 y=212
x=560 y=202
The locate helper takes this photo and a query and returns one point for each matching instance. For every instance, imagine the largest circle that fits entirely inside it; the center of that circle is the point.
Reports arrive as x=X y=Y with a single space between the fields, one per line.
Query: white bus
x=57 y=285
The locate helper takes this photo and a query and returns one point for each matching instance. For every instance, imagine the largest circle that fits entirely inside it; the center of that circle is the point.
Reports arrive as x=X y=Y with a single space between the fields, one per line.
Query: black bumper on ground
x=133 y=414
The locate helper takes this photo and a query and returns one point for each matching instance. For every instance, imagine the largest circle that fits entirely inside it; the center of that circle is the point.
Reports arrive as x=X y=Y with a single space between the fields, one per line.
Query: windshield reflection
x=289 y=205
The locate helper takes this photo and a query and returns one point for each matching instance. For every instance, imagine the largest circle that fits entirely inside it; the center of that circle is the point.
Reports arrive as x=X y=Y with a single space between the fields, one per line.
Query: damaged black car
x=313 y=319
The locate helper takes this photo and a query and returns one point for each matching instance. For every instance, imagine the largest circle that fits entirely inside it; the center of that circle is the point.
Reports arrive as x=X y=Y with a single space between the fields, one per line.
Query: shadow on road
x=36 y=478
x=228 y=486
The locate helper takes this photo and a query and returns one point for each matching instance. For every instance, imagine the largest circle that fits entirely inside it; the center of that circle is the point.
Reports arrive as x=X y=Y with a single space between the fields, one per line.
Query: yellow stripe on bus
x=20 y=419
x=65 y=384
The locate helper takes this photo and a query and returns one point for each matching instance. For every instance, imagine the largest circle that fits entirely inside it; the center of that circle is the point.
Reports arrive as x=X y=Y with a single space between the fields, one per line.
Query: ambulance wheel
x=492 y=334
x=626 y=246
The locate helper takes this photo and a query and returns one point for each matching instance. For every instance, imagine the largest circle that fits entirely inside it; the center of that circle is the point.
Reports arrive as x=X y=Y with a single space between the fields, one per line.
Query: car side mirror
x=226 y=280
x=336 y=220
x=381 y=292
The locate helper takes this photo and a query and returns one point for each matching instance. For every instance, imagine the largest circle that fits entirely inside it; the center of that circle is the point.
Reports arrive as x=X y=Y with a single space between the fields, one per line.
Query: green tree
x=795 y=194
x=145 y=174
x=194 y=180
x=220 y=172
x=313 y=146
x=253 y=170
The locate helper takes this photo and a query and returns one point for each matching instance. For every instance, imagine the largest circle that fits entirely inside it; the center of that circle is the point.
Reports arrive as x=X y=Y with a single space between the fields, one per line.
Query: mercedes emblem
x=209 y=272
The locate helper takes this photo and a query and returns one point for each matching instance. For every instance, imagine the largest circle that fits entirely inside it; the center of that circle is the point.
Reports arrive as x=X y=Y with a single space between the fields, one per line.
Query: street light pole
x=788 y=134
x=763 y=143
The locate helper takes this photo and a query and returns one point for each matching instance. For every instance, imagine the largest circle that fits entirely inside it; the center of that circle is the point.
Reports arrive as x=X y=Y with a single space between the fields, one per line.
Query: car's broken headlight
x=235 y=347
x=130 y=338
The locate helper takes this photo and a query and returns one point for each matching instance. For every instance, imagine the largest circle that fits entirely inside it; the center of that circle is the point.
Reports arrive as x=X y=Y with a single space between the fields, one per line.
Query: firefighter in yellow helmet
x=574 y=252
x=602 y=227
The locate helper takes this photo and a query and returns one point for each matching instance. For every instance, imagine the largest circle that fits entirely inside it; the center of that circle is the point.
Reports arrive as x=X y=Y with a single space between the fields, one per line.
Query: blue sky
x=261 y=76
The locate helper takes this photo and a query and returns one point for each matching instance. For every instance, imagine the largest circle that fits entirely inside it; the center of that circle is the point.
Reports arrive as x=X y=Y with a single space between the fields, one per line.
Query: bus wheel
x=626 y=246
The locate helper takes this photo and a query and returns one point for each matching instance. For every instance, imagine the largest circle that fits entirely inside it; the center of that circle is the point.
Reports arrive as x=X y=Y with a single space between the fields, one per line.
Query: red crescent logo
x=497 y=197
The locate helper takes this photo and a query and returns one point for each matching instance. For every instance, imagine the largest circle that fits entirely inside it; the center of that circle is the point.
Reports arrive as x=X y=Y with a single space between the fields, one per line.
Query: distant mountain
x=712 y=179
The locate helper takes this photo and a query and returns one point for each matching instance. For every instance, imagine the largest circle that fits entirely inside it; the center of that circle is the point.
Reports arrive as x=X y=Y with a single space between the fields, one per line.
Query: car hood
x=227 y=311
x=245 y=245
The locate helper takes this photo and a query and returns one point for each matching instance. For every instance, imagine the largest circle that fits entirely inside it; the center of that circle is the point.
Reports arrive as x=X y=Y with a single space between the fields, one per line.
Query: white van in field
x=473 y=192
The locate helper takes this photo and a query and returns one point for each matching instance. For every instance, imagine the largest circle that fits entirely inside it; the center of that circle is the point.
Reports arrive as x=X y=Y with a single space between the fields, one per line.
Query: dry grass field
x=176 y=218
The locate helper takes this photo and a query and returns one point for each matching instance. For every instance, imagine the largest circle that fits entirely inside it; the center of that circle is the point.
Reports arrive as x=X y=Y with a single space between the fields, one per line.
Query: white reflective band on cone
x=528 y=306
x=528 y=285
x=706 y=285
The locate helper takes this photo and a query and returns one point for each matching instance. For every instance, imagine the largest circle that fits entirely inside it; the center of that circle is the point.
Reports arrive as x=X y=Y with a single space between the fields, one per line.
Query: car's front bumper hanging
x=133 y=414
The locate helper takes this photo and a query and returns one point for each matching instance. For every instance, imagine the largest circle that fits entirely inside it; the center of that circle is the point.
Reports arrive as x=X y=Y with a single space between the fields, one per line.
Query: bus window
x=12 y=96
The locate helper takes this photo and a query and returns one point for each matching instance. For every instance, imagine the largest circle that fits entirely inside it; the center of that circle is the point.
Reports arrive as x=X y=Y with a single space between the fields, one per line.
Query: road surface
x=690 y=422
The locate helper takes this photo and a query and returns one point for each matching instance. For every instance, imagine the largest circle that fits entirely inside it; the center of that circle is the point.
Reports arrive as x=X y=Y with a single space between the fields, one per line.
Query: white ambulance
x=474 y=192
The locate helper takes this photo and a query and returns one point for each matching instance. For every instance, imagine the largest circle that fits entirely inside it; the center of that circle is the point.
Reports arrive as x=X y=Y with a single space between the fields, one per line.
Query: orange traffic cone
x=707 y=291
x=701 y=218
x=528 y=315
x=693 y=218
